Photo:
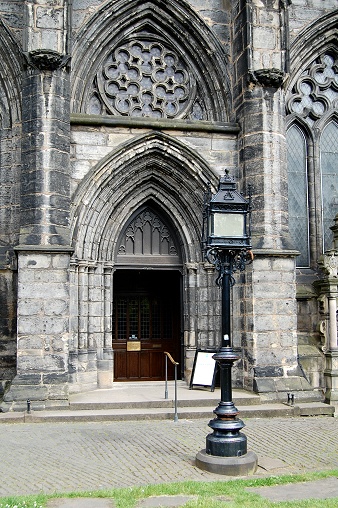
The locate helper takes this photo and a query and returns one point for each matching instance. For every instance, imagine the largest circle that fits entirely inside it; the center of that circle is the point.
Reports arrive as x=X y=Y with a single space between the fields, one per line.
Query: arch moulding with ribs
x=153 y=167
x=314 y=40
x=10 y=76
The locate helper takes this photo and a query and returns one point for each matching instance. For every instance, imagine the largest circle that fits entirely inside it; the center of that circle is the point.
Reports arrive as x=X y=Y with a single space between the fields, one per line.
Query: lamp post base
x=229 y=466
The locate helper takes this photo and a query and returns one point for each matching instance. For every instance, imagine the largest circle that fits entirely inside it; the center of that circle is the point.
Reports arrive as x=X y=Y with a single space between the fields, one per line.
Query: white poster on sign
x=204 y=368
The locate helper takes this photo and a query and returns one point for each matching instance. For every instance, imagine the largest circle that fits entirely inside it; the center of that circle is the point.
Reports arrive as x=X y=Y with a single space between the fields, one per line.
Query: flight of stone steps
x=140 y=401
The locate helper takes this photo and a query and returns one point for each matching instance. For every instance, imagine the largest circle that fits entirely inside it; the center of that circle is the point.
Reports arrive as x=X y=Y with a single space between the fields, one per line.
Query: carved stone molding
x=328 y=263
x=272 y=78
x=46 y=59
x=147 y=234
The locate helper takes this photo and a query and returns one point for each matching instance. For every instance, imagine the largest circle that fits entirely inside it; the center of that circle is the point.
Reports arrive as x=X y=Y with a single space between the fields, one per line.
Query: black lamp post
x=227 y=244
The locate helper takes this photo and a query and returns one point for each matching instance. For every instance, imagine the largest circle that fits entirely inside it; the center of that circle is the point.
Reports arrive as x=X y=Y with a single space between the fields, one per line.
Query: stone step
x=164 y=403
x=135 y=401
x=165 y=413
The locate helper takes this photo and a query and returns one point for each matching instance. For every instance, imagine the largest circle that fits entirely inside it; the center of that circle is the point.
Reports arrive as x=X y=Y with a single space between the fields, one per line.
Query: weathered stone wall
x=10 y=152
x=43 y=332
x=304 y=12
x=239 y=54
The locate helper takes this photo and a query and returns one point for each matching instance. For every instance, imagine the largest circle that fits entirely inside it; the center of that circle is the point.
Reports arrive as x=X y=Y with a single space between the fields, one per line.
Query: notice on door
x=133 y=345
x=204 y=369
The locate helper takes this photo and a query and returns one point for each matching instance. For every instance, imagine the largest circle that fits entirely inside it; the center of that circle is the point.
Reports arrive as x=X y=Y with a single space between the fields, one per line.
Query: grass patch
x=220 y=494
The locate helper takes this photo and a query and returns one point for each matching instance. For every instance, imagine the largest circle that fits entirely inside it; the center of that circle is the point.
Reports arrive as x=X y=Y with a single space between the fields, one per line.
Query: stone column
x=105 y=363
x=327 y=289
x=260 y=63
x=190 y=317
x=44 y=240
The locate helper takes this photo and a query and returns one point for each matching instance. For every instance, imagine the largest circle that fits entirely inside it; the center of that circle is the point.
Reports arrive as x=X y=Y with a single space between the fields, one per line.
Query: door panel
x=146 y=307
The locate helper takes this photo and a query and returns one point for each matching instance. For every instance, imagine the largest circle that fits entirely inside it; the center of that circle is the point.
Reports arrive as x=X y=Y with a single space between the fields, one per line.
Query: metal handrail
x=168 y=355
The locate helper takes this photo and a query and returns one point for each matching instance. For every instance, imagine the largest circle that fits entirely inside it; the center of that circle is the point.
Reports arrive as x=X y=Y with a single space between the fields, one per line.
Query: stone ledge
x=151 y=123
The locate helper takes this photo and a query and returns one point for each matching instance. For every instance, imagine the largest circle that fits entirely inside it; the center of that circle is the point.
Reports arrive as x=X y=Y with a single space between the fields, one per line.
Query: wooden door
x=146 y=323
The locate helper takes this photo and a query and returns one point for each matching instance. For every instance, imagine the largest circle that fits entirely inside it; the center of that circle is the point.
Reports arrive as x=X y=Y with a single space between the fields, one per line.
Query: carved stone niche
x=272 y=78
x=46 y=59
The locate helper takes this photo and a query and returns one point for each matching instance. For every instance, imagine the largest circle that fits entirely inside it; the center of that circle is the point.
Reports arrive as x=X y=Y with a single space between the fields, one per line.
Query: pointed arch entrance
x=158 y=182
x=147 y=297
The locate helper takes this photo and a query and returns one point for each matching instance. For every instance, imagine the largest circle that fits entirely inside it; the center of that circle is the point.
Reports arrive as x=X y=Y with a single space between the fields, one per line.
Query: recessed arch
x=10 y=79
x=148 y=239
x=173 y=23
x=320 y=36
x=151 y=168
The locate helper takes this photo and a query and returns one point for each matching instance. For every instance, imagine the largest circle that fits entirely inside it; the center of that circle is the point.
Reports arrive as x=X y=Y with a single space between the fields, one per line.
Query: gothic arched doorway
x=146 y=298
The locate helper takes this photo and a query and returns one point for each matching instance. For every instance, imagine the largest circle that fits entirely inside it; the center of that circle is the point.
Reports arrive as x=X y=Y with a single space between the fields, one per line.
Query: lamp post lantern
x=226 y=243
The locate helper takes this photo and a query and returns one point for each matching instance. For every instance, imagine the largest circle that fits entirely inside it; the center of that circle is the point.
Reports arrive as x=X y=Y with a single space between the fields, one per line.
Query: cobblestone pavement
x=63 y=457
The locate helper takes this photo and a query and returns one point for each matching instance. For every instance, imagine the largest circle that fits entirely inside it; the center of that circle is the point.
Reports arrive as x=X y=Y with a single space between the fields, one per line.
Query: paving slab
x=91 y=456
x=270 y=463
x=164 y=501
x=81 y=502
x=318 y=489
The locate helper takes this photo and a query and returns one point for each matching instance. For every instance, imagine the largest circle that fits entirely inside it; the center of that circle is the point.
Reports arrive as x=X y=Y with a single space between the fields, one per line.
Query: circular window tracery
x=146 y=79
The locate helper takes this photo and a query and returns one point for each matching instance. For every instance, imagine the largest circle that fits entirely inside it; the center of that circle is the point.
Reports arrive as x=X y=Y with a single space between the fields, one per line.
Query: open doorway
x=146 y=323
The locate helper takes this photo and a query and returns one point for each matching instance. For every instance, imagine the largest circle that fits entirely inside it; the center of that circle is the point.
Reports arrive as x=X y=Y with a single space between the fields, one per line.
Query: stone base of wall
x=276 y=389
x=331 y=377
x=312 y=361
x=41 y=393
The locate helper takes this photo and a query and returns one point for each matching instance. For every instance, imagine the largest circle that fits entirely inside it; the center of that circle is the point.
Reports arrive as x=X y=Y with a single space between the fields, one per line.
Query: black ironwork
x=226 y=440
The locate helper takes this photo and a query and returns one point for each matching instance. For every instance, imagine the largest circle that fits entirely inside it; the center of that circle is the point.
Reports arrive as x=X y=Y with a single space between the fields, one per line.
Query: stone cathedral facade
x=114 y=118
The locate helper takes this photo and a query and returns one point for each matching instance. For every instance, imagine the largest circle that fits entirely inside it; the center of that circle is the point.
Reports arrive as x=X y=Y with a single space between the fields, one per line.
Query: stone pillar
x=190 y=317
x=260 y=60
x=44 y=240
x=42 y=336
x=327 y=289
x=105 y=362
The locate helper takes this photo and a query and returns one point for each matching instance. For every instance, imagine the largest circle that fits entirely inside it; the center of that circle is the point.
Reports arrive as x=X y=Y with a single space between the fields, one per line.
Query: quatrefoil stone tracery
x=145 y=79
x=316 y=90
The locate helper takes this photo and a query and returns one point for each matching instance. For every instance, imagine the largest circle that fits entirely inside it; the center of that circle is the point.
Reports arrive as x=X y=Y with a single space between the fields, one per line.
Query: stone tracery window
x=316 y=91
x=313 y=163
x=144 y=78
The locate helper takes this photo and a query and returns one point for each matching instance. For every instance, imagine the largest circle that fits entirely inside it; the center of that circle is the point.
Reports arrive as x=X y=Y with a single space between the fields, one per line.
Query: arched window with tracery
x=312 y=141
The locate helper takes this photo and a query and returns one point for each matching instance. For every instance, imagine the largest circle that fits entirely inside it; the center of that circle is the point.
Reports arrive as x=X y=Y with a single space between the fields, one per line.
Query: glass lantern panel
x=228 y=224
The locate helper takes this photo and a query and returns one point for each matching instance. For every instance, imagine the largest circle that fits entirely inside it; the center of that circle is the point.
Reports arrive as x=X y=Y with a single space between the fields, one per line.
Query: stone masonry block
x=49 y=17
x=32 y=392
x=59 y=291
x=42 y=325
x=30 y=342
x=46 y=363
x=27 y=378
x=89 y=138
x=51 y=40
x=58 y=392
x=92 y=151
x=54 y=378
x=34 y=261
x=274 y=291
x=28 y=307
x=57 y=307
